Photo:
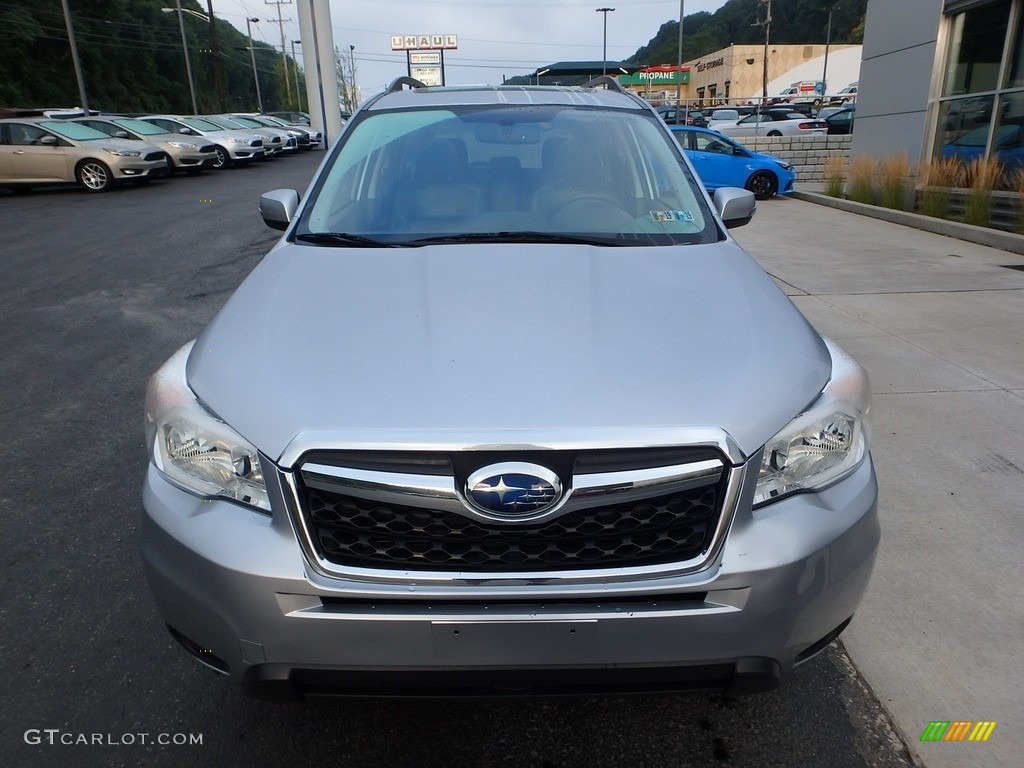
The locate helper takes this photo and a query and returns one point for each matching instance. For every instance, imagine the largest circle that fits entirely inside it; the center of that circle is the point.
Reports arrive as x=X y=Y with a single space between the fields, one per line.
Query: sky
x=496 y=37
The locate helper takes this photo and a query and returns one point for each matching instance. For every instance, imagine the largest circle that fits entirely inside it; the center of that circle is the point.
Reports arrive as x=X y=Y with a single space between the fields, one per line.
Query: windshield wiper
x=343 y=238
x=520 y=237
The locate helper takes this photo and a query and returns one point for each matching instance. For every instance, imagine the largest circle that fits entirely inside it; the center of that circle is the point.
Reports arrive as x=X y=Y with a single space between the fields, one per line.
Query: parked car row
x=98 y=151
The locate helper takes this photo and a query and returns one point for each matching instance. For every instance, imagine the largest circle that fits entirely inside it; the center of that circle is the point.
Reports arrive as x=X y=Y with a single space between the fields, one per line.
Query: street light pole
x=295 y=68
x=74 y=57
x=604 y=46
x=252 y=55
x=184 y=47
x=828 y=40
x=352 y=78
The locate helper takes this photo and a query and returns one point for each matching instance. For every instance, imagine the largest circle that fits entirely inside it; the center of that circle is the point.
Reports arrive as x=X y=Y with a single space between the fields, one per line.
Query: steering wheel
x=591 y=199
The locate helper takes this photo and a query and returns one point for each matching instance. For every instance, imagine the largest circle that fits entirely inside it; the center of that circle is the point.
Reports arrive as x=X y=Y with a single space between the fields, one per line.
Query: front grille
x=207 y=148
x=154 y=156
x=256 y=143
x=350 y=531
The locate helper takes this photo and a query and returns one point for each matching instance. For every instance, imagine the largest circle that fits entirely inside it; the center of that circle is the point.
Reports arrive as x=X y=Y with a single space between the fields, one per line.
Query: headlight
x=182 y=145
x=194 y=449
x=233 y=140
x=785 y=166
x=122 y=152
x=826 y=442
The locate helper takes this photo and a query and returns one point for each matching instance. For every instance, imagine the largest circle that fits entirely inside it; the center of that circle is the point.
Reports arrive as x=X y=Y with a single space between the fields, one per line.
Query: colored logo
x=513 y=490
x=958 y=730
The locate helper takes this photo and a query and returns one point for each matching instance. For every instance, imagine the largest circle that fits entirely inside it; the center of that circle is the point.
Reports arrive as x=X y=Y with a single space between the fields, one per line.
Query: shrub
x=981 y=176
x=862 y=184
x=894 y=173
x=835 y=175
x=939 y=177
x=1016 y=183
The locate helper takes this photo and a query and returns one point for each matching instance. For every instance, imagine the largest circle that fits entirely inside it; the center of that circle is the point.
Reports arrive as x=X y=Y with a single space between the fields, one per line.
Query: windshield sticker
x=671 y=215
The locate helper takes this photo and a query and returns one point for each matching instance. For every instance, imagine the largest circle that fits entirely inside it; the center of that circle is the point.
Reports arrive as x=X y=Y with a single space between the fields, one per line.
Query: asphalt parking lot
x=99 y=290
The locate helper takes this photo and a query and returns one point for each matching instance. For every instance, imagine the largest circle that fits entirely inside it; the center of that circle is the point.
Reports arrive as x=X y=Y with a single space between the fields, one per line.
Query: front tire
x=94 y=176
x=223 y=158
x=763 y=184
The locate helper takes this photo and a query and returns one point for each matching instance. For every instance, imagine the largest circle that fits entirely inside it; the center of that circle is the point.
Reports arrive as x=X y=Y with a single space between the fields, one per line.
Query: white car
x=774 y=123
x=720 y=117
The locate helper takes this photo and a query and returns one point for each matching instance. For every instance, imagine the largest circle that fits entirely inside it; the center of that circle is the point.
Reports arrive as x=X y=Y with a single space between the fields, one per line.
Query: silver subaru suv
x=507 y=409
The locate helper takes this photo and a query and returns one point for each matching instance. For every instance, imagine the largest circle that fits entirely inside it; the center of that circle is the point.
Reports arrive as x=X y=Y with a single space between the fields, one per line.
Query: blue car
x=721 y=162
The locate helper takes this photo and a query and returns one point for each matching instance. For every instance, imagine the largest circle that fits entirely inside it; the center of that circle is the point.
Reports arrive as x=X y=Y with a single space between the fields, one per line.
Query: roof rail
x=607 y=81
x=398 y=82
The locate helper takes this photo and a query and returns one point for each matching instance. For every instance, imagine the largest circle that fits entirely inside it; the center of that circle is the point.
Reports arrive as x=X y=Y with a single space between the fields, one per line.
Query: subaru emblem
x=513 y=490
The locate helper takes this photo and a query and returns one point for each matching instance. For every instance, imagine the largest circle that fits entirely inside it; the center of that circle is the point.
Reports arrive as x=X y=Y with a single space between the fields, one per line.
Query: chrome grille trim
x=390 y=581
x=439 y=492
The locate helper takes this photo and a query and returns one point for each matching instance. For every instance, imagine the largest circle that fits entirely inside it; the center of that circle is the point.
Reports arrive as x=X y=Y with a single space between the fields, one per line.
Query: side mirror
x=186 y=131
x=278 y=207
x=735 y=206
x=48 y=141
x=121 y=135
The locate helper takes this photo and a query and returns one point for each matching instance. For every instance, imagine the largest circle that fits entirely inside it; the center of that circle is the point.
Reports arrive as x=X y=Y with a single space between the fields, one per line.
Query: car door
x=37 y=154
x=715 y=160
x=840 y=123
x=5 y=153
x=751 y=125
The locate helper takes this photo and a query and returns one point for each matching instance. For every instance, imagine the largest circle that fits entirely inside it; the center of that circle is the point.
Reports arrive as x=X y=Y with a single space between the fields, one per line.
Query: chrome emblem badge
x=513 y=490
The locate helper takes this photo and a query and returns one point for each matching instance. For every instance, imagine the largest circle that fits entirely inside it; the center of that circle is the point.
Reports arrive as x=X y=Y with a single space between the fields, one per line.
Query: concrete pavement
x=939 y=324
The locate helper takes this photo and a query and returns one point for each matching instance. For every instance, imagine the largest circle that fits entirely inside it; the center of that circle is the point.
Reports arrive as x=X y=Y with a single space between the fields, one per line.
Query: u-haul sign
x=424 y=42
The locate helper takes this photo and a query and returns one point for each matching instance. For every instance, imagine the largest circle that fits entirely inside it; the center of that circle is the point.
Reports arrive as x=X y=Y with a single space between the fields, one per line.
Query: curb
x=993 y=238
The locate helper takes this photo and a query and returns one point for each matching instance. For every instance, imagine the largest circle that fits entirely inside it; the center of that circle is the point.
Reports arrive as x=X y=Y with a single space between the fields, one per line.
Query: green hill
x=132 y=56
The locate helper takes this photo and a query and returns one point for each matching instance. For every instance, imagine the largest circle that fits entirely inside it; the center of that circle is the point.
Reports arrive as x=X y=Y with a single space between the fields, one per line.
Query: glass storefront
x=981 y=110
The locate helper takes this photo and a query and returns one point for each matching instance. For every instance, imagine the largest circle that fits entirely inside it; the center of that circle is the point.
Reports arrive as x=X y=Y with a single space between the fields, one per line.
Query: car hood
x=90 y=147
x=767 y=158
x=504 y=344
x=230 y=132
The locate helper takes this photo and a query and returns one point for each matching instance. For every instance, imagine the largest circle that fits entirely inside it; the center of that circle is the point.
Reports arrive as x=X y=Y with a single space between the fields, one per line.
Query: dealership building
x=941 y=78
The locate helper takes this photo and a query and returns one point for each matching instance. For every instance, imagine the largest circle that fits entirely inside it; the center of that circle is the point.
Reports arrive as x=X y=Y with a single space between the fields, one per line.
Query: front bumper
x=137 y=168
x=233 y=584
x=244 y=153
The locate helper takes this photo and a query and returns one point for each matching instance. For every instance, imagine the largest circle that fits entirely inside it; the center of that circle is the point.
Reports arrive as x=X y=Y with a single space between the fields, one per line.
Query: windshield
x=74 y=131
x=246 y=122
x=505 y=171
x=200 y=124
x=139 y=126
x=223 y=123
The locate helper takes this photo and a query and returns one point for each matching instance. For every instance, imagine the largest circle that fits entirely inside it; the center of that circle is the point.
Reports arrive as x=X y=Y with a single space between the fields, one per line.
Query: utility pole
x=679 y=74
x=284 y=54
x=767 y=24
x=218 y=72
